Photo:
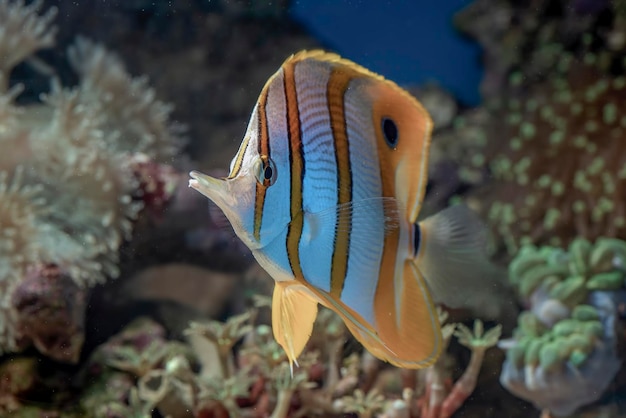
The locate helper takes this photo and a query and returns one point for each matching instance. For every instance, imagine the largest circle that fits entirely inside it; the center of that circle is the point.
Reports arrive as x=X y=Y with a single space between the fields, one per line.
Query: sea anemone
x=22 y=32
x=135 y=120
x=87 y=178
x=20 y=207
x=68 y=192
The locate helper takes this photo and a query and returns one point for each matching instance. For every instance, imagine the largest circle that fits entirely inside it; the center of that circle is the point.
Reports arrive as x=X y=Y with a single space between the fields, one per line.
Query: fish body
x=326 y=189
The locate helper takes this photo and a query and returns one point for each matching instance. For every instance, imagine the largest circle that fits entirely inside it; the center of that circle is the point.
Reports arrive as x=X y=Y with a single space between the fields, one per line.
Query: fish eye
x=266 y=171
x=390 y=132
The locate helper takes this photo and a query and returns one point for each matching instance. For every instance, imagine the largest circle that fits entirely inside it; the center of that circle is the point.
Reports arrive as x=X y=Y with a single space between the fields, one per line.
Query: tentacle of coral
x=21 y=206
x=139 y=121
x=22 y=32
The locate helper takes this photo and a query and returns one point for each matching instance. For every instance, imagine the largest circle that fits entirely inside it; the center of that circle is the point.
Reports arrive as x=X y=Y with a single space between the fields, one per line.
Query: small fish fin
x=451 y=255
x=359 y=212
x=293 y=315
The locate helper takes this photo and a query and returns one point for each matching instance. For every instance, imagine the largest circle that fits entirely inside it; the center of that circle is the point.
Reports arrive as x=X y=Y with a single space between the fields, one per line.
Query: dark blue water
x=410 y=42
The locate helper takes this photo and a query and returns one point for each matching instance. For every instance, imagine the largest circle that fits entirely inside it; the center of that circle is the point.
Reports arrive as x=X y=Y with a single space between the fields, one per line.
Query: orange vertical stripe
x=337 y=85
x=297 y=166
x=264 y=150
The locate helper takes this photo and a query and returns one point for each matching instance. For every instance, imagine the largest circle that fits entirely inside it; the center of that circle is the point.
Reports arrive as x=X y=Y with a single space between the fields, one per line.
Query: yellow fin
x=453 y=260
x=293 y=315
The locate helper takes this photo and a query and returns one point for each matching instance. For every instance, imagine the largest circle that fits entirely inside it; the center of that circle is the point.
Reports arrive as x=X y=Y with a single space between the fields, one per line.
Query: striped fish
x=326 y=189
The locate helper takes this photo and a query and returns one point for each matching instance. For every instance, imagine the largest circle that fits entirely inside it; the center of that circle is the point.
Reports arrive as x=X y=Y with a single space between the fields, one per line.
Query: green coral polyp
x=531 y=357
x=585 y=313
x=611 y=280
x=577 y=358
x=566 y=327
x=570 y=276
x=569 y=340
x=570 y=291
x=593 y=329
x=529 y=325
x=567 y=277
x=550 y=357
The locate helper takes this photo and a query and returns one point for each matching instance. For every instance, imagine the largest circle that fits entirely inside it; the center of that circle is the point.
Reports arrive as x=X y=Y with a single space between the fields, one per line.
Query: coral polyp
x=20 y=207
x=68 y=192
x=561 y=151
x=563 y=353
x=134 y=118
x=23 y=31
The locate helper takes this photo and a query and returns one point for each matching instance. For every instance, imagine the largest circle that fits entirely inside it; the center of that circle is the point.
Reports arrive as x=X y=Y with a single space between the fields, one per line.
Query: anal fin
x=406 y=330
x=412 y=334
x=293 y=315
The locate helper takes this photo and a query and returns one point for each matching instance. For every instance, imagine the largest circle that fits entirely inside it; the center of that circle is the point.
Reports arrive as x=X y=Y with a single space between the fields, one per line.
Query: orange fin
x=407 y=320
x=406 y=332
x=293 y=315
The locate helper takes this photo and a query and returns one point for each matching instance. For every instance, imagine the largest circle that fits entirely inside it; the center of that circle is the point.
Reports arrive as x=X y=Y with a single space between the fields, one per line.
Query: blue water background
x=410 y=42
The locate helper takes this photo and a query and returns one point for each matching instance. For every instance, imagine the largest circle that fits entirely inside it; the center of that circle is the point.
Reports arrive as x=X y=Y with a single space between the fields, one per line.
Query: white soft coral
x=22 y=31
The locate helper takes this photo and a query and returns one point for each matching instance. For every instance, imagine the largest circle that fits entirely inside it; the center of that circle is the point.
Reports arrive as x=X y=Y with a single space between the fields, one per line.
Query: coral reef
x=208 y=377
x=542 y=158
x=441 y=399
x=210 y=58
x=50 y=308
x=528 y=38
x=88 y=166
x=562 y=152
x=563 y=354
x=69 y=195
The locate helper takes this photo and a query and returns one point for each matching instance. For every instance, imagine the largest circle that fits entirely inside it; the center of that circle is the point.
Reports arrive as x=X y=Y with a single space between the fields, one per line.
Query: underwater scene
x=312 y=208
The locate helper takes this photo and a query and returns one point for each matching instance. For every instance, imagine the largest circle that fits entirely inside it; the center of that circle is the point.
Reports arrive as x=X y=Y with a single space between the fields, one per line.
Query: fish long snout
x=211 y=187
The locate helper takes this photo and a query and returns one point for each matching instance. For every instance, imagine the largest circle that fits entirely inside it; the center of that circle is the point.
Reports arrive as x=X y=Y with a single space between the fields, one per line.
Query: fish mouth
x=215 y=189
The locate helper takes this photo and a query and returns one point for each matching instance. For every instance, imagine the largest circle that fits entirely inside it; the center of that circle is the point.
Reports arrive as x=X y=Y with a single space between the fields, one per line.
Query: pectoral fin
x=293 y=315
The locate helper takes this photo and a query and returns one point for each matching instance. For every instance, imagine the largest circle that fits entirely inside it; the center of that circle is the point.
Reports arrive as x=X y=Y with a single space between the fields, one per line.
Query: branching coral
x=224 y=337
x=139 y=371
x=563 y=354
x=264 y=378
x=437 y=397
x=69 y=191
x=135 y=354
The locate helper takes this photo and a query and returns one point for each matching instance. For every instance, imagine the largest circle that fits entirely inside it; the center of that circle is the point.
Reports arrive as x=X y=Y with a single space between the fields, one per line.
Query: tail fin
x=451 y=255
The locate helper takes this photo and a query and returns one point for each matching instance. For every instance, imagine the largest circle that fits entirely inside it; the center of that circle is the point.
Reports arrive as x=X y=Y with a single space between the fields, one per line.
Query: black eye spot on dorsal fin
x=390 y=132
